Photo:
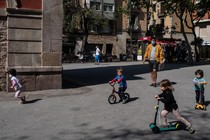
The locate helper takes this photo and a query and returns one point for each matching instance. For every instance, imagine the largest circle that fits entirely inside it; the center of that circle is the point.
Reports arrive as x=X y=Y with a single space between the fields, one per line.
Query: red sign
x=2 y=3
x=147 y=38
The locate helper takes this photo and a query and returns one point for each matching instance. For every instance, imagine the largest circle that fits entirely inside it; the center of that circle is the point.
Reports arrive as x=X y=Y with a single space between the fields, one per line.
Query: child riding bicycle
x=120 y=79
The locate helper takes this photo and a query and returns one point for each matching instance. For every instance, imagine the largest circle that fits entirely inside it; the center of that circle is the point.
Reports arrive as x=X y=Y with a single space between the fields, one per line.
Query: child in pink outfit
x=16 y=86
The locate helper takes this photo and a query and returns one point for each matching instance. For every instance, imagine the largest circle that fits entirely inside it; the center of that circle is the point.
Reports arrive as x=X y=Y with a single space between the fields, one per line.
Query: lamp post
x=148 y=16
x=130 y=24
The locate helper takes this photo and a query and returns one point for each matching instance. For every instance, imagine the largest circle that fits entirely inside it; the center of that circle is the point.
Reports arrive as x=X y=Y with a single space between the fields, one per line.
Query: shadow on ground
x=32 y=101
x=123 y=133
x=130 y=133
x=93 y=76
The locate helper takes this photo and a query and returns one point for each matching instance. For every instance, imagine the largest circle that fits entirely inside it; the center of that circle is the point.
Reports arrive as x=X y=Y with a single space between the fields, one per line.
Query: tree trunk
x=190 y=59
x=84 y=42
x=197 y=56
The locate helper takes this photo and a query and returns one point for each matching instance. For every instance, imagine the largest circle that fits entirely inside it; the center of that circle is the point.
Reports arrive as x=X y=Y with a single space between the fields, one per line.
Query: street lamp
x=148 y=16
x=130 y=27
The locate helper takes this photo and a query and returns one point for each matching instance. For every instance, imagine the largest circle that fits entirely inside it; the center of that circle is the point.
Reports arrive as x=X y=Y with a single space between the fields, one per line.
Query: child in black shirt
x=170 y=104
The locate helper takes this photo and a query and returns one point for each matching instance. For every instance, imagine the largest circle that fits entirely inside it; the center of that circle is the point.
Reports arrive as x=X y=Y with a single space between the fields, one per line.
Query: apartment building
x=203 y=31
x=124 y=30
x=117 y=36
x=203 y=28
x=167 y=26
x=106 y=40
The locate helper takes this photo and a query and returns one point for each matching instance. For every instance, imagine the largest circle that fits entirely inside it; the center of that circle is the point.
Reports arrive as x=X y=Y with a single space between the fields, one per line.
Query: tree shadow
x=75 y=78
x=123 y=133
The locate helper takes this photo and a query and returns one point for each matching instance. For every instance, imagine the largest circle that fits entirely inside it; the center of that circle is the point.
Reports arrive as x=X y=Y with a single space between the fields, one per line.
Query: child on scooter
x=170 y=105
x=199 y=82
x=120 y=79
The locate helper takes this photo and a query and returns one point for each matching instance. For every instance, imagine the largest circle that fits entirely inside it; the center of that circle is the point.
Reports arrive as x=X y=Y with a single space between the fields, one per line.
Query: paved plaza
x=80 y=111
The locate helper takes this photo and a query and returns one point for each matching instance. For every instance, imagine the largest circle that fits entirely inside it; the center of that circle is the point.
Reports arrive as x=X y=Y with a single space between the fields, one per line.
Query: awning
x=166 y=42
x=162 y=41
x=147 y=38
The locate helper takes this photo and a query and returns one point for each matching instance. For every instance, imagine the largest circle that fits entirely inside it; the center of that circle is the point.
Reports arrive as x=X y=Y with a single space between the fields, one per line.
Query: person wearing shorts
x=154 y=54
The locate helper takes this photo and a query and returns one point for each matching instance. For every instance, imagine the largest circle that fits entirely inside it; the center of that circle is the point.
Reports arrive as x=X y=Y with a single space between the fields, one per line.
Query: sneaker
x=23 y=99
x=21 y=102
x=121 y=100
x=125 y=100
x=153 y=84
x=164 y=126
x=190 y=129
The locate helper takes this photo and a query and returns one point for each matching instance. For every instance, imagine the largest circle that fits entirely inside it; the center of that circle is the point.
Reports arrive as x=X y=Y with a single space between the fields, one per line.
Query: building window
x=108 y=7
x=161 y=12
x=95 y=5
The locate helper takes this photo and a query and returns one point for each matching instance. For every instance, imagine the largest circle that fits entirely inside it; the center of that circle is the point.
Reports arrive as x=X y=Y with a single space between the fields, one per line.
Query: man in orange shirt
x=154 y=54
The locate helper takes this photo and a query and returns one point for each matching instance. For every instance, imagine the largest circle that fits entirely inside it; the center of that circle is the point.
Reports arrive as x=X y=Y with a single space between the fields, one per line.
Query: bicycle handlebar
x=112 y=84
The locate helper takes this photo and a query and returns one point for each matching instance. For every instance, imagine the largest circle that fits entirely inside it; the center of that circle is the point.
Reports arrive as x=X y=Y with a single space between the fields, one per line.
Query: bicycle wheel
x=127 y=96
x=156 y=130
x=112 y=99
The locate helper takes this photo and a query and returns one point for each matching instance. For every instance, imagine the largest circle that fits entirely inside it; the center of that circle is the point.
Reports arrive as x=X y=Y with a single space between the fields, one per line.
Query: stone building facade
x=31 y=40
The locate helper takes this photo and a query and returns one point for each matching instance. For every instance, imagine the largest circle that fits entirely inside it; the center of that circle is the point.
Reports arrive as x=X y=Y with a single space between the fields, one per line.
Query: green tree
x=183 y=9
x=187 y=9
x=79 y=20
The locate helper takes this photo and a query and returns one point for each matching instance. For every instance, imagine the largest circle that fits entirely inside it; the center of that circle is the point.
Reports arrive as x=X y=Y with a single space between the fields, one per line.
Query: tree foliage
x=184 y=10
x=78 y=18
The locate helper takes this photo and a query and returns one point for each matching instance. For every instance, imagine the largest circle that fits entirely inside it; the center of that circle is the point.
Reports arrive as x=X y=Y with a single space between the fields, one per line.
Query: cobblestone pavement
x=80 y=111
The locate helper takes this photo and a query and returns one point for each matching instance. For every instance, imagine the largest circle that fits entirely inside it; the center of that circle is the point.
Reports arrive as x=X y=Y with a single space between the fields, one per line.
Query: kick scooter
x=201 y=105
x=156 y=129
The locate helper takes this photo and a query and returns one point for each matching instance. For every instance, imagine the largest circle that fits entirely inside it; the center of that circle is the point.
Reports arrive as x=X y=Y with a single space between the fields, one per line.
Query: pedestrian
x=120 y=79
x=97 y=56
x=170 y=105
x=80 y=57
x=16 y=85
x=154 y=54
x=199 y=82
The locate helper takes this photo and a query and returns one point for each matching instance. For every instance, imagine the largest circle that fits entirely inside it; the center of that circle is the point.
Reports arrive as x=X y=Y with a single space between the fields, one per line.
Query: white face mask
x=153 y=42
x=10 y=75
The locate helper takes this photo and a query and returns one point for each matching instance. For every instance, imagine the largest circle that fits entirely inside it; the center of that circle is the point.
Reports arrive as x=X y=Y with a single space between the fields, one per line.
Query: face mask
x=10 y=75
x=153 y=42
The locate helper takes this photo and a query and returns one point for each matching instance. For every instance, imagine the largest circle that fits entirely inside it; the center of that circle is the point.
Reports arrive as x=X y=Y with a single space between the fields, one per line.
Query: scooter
x=156 y=129
x=201 y=105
